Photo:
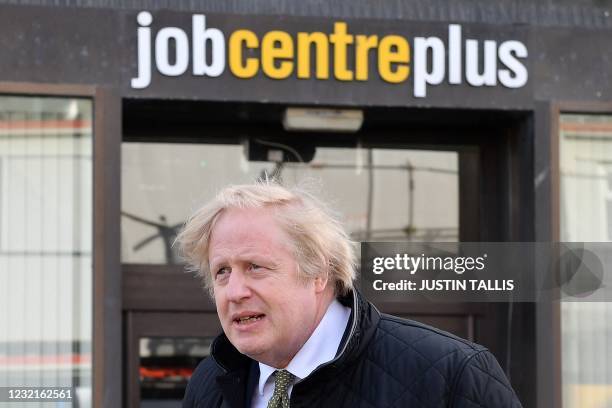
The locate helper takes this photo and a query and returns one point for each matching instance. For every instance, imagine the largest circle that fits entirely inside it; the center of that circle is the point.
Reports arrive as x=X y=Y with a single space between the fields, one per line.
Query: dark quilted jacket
x=384 y=361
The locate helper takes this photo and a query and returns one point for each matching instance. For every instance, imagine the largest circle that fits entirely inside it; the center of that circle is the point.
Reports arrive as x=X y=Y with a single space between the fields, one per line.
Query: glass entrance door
x=163 y=349
x=382 y=193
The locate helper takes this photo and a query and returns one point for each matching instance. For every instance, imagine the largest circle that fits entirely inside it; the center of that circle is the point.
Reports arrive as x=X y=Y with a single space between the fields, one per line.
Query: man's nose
x=237 y=288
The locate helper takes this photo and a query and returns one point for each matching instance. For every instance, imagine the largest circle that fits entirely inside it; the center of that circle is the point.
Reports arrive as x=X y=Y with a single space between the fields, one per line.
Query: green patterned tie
x=280 y=398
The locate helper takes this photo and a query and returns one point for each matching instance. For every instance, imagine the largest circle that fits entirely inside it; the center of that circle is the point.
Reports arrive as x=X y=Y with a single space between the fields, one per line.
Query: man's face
x=265 y=311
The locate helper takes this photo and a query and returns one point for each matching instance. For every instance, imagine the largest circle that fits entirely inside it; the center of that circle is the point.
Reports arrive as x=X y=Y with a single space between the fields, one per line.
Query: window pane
x=586 y=215
x=166 y=365
x=45 y=243
x=383 y=194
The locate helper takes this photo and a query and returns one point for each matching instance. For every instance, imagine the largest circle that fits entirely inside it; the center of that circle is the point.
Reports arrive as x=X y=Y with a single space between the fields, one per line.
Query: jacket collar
x=236 y=372
x=360 y=329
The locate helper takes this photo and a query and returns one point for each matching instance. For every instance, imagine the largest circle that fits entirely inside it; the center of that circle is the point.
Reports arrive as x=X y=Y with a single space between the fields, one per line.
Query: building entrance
x=402 y=177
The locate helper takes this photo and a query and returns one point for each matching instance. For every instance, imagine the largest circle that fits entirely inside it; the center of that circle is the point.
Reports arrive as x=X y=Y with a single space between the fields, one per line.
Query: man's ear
x=322 y=280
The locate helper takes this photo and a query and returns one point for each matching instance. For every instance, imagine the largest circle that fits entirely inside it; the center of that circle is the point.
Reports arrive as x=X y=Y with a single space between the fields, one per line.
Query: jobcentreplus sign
x=338 y=55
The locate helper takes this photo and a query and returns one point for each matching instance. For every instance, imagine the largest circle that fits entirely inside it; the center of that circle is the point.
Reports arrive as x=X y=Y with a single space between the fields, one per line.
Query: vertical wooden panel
x=107 y=360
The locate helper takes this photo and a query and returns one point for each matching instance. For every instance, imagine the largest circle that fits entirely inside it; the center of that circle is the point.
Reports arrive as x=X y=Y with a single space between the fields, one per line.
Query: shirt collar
x=320 y=348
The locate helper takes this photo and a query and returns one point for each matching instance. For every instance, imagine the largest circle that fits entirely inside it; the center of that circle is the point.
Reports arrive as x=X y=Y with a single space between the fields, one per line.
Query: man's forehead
x=248 y=231
x=244 y=253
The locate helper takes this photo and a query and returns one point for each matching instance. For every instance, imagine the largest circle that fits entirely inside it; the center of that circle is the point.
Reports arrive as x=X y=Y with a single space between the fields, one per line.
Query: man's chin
x=250 y=350
x=248 y=344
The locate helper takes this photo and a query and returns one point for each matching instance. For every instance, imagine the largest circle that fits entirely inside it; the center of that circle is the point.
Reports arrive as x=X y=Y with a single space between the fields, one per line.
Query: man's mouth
x=248 y=319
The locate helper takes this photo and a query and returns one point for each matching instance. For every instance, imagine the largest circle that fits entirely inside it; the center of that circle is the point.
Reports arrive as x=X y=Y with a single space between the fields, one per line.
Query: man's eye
x=222 y=272
x=255 y=266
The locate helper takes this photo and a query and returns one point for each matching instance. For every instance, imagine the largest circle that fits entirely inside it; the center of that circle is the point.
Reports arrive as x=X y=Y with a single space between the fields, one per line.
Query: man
x=280 y=268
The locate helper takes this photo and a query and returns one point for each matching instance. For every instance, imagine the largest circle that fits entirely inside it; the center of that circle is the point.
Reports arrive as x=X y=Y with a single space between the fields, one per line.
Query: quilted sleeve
x=482 y=383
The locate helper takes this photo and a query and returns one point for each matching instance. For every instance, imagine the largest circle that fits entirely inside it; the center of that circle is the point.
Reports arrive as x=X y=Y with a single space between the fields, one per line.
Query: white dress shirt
x=320 y=348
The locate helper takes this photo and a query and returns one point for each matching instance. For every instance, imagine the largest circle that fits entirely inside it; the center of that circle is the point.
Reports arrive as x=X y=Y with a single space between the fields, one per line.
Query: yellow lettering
x=321 y=51
x=364 y=45
x=277 y=45
x=393 y=50
x=341 y=40
x=249 y=67
x=278 y=56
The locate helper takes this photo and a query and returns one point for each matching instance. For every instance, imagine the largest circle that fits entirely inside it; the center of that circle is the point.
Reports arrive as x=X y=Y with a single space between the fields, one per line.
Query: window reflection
x=383 y=194
x=46 y=243
x=586 y=215
x=166 y=365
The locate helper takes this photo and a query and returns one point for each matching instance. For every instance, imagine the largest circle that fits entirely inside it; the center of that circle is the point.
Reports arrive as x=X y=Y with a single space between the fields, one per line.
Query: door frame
x=159 y=324
x=496 y=199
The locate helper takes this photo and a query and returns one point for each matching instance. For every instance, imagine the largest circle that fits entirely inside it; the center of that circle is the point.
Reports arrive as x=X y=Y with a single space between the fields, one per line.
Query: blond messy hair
x=320 y=244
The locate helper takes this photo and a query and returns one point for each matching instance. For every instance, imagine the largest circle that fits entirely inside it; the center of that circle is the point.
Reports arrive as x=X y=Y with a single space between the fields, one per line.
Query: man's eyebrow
x=214 y=262
x=254 y=257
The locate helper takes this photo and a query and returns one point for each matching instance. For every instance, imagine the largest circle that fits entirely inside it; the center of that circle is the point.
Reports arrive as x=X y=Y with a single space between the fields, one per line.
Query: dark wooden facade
x=507 y=144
